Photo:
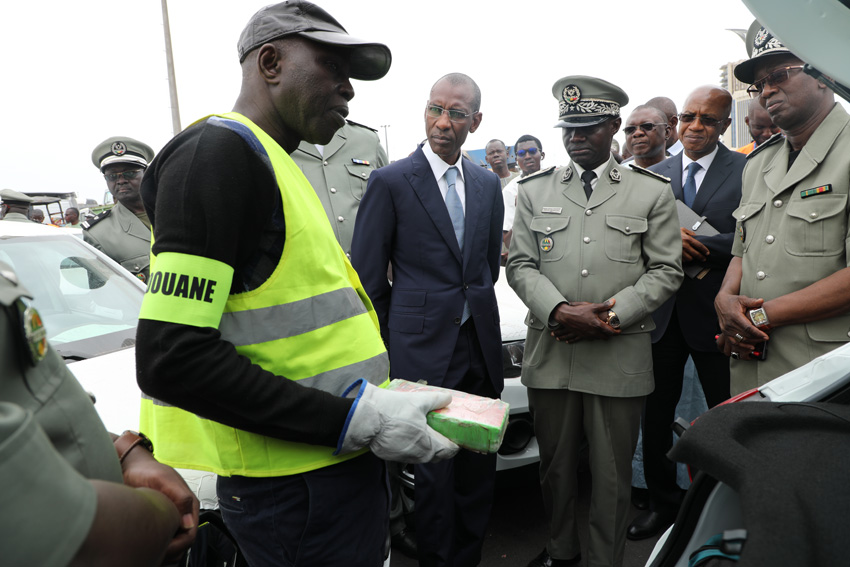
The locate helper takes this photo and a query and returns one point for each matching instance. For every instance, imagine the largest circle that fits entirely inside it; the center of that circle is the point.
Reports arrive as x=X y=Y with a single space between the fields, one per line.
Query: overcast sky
x=75 y=73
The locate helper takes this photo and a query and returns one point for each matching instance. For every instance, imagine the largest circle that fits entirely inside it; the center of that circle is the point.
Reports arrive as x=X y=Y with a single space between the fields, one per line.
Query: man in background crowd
x=760 y=125
x=496 y=155
x=647 y=132
x=529 y=154
x=123 y=232
x=668 y=107
x=72 y=217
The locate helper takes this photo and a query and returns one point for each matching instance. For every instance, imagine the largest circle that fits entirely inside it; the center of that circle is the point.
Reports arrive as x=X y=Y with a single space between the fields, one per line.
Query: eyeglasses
x=128 y=175
x=435 y=111
x=529 y=151
x=772 y=79
x=706 y=121
x=646 y=127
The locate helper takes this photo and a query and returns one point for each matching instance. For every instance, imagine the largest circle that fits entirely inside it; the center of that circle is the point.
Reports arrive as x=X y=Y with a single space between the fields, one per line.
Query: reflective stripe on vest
x=310 y=321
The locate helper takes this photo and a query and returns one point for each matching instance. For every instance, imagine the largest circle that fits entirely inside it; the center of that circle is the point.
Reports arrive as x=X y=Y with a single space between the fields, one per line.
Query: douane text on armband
x=182 y=285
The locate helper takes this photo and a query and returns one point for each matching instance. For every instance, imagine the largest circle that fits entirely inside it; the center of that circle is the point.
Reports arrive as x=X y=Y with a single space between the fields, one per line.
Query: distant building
x=737 y=134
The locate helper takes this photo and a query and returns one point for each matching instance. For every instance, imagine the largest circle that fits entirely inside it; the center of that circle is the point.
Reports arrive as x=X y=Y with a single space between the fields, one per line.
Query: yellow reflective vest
x=311 y=321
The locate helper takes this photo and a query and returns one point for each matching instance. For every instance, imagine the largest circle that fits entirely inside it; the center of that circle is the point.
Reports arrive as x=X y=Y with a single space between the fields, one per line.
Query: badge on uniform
x=546 y=244
x=742 y=232
x=615 y=175
x=35 y=335
x=816 y=191
x=552 y=210
x=141 y=277
x=359 y=161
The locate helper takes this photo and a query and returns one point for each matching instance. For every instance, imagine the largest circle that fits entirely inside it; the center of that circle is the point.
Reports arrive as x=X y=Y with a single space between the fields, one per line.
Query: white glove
x=393 y=425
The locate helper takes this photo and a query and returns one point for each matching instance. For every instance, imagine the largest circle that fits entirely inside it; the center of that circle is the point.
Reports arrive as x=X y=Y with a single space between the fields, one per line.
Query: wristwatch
x=759 y=318
x=613 y=320
x=128 y=440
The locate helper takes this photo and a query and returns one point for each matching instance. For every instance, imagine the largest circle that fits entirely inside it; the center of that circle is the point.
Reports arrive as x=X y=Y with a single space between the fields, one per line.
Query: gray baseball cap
x=369 y=60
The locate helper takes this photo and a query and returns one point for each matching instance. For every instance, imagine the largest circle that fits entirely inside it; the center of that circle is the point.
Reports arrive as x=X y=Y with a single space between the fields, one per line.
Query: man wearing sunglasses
x=438 y=218
x=529 y=154
x=788 y=283
x=647 y=132
x=706 y=176
x=123 y=232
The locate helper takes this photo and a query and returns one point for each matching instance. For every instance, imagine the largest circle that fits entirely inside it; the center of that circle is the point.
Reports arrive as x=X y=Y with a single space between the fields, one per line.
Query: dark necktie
x=587 y=178
x=690 y=188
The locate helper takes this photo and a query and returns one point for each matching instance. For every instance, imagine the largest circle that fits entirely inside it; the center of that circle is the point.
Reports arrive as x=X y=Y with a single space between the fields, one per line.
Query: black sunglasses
x=646 y=127
x=772 y=79
x=706 y=121
x=132 y=174
x=529 y=151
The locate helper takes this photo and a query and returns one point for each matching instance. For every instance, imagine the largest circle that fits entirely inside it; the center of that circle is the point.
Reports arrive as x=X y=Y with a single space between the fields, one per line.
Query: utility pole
x=172 y=78
x=386 y=140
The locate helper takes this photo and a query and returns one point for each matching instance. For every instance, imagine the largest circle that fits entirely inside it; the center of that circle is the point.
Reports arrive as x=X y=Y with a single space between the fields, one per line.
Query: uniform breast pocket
x=817 y=226
x=747 y=219
x=551 y=235
x=623 y=237
x=358 y=175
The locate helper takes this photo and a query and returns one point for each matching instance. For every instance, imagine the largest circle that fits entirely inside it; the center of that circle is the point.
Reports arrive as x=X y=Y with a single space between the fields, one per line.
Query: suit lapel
x=714 y=178
x=126 y=220
x=673 y=169
x=573 y=189
x=472 y=182
x=335 y=144
x=426 y=189
x=605 y=185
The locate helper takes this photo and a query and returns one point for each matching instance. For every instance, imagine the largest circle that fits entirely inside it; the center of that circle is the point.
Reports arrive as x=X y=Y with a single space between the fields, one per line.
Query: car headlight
x=512 y=358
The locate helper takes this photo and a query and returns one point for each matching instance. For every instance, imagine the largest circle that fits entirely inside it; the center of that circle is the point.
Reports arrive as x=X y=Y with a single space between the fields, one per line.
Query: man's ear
x=476 y=121
x=726 y=124
x=268 y=62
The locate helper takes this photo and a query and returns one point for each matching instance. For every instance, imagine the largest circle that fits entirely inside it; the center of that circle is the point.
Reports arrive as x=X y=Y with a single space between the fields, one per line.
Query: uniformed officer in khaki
x=596 y=249
x=339 y=172
x=15 y=206
x=123 y=232
x=789 y=282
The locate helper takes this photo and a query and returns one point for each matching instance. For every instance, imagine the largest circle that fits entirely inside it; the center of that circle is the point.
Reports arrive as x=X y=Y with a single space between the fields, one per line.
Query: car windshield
x=88 y=307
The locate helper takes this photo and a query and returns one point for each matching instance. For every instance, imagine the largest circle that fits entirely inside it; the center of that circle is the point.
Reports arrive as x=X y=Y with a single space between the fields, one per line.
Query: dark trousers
x=454 y=497
x=333 y=516
x=669 y=356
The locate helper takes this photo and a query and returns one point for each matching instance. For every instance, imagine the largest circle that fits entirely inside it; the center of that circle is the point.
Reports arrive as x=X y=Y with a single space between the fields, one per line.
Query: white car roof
x=15 y=228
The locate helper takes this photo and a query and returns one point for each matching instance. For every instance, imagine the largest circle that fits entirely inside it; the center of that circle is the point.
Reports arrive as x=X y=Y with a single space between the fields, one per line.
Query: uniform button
x=628 y=229
x=324 y=163
x=813 y=215
x=548 y=228
x=643 y=327
x=362 y=175
x=777 y=203
x=340 y=219
x=760 y=275
x=333 y=189
x=586 y=239
x=743 y=217
x=584 y=273
x=769 y=239
x=347 y=255
x=588 y=212
x=465 y=286
x=457 y=321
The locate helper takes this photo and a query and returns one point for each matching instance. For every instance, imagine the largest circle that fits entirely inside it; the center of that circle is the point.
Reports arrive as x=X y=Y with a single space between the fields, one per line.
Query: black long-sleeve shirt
x=209 y=194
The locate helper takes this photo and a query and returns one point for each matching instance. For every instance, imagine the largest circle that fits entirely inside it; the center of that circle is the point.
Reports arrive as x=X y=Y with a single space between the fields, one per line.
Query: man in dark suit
x=706 y=176
x=438 y=219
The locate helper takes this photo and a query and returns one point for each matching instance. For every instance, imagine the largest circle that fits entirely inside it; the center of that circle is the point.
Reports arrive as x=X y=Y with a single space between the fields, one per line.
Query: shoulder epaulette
x=540 y=173
x=353 y=123
x=645 y=171
x=89 y=224
x=778 y=137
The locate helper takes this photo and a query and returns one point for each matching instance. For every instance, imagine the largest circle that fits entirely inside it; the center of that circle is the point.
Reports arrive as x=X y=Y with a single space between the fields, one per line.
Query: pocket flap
x=548 y=225
x=746 y=210
x=626 y=224
x=359 y=171
x=817 y=208
x=408 y=298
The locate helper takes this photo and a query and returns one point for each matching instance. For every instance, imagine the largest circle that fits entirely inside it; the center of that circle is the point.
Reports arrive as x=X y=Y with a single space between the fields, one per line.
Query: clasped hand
x=583 y=321
x=737 y=333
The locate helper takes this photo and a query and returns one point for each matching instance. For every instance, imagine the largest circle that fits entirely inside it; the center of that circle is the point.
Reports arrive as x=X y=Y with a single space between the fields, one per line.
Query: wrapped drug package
x=473 y=422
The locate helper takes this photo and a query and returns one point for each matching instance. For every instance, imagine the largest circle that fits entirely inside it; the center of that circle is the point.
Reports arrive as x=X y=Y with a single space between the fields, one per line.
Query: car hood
x=111 y=378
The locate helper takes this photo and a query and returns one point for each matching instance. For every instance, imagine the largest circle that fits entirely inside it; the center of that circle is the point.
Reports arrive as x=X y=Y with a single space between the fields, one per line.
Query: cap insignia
x=118 y=148
x=760 y=38
x=572 y=94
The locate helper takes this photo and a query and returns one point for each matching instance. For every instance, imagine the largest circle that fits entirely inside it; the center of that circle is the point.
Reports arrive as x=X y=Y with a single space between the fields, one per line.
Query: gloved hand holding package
x=393 y=424
x=473 y=422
